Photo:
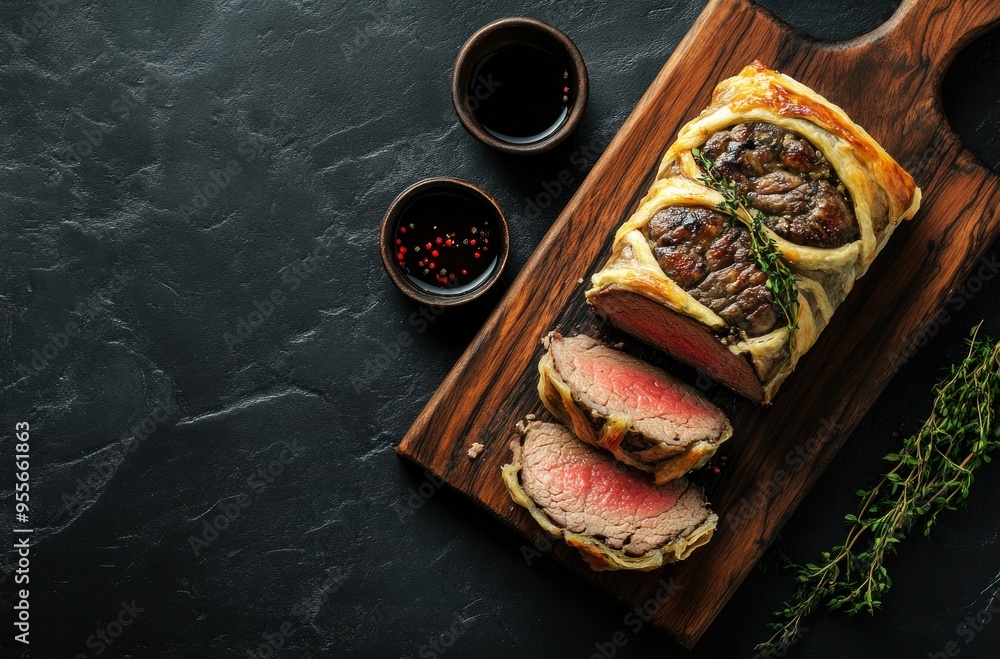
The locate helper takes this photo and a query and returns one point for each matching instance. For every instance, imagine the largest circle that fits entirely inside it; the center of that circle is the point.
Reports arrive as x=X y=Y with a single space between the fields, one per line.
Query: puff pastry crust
x=881 y=192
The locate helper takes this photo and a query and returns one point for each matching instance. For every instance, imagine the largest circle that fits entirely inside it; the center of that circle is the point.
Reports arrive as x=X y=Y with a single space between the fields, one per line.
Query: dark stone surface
x=114 y=117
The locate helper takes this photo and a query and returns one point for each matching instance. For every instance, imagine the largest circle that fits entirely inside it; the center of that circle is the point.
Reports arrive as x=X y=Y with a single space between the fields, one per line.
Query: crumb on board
x=475 y=450
x=580 y=280
x=530 y=417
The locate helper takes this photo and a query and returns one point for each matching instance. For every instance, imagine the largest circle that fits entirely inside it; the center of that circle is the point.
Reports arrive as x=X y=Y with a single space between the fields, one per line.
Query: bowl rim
x=465 y=63
x=387 y=244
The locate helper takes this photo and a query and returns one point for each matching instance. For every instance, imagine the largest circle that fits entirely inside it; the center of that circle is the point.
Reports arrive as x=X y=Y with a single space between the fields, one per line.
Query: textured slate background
x=116 y=120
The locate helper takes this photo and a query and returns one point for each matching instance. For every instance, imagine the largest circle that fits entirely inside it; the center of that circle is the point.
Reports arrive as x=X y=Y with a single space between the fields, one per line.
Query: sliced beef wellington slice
x=614 y=515
x=642 y=415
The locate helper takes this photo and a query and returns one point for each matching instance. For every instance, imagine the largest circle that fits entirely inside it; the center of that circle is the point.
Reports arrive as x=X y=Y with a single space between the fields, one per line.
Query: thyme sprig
x=932 y=473
x=735 y=205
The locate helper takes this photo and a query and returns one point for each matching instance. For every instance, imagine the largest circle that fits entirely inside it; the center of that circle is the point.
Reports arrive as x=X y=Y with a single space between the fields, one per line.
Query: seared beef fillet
x=787 y=179
x=615 y=516
x=679 y=336
x=709 y=257
x=639 y=413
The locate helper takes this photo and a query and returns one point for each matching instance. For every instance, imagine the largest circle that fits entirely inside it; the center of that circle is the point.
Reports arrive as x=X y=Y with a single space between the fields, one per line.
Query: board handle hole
x=970 y=93
x=833 y=20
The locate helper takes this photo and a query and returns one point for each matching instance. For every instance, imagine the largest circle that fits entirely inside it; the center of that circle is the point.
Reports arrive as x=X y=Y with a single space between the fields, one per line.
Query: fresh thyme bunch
x=780 y=280
x=932 y=473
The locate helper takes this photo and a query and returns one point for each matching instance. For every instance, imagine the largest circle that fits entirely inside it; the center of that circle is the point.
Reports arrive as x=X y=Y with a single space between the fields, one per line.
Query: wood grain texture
x=888 y=82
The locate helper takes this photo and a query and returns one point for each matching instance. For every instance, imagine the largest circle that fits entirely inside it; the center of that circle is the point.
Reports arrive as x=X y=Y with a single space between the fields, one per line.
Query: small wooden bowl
x=518 y=30
x=387 y=245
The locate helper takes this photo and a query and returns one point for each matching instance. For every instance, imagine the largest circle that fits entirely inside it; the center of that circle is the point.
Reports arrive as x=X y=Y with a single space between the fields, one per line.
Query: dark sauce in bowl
x=520 y=93
x=444 y=242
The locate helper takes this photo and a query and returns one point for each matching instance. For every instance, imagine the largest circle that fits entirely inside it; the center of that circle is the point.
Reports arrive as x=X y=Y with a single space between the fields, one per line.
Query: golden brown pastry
x=615 y=516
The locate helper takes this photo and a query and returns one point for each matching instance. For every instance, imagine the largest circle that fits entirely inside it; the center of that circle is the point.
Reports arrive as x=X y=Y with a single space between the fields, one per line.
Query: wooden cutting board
x=888 y=82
